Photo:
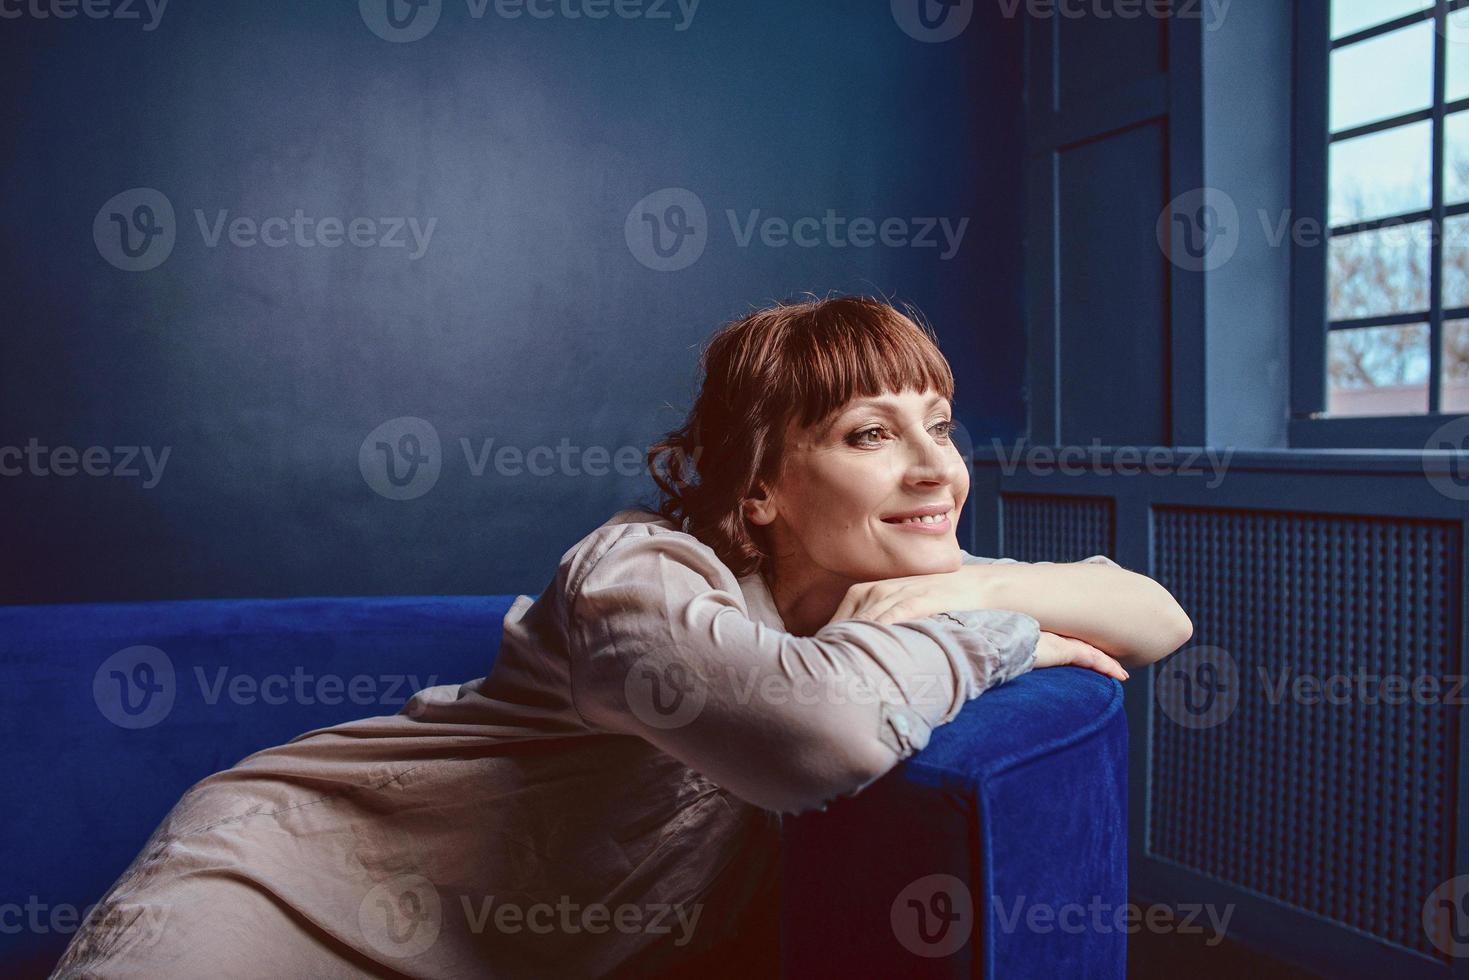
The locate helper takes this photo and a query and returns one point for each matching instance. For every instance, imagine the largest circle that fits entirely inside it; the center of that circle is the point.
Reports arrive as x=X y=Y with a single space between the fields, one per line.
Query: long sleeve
x=662 y=646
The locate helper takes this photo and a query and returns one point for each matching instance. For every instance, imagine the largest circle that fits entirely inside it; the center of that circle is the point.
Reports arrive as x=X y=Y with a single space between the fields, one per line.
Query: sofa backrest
x=108 y=713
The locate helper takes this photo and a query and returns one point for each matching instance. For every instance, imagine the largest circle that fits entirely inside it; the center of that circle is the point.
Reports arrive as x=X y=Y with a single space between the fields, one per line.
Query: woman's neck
x=806 y=600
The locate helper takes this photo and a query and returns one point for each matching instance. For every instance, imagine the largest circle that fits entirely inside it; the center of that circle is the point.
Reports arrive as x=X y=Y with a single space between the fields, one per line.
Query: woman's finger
x=897 y=610
x=885 y=608
x=888 y=603
x=1102 y=663
x=1083 y=654
x=847 y=608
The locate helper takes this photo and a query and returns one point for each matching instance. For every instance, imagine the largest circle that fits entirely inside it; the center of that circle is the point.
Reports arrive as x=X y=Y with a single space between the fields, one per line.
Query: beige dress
x=606 y=802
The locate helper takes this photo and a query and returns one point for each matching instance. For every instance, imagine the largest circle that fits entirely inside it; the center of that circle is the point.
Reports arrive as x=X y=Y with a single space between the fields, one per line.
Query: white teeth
x=926 y=519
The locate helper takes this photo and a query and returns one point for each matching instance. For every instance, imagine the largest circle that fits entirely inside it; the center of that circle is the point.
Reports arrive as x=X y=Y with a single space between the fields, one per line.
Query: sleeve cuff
x=1006 y=641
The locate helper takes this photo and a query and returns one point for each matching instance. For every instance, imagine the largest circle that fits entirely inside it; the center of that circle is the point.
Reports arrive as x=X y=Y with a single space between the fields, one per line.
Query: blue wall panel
x=528 y=320
x=1113 y=287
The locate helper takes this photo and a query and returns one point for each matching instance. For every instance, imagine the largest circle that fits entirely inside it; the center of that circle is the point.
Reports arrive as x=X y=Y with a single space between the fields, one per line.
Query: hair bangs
x=855 y=348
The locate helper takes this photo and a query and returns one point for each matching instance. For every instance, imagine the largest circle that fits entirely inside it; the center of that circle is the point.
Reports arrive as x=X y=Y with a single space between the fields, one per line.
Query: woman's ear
x=759 y=507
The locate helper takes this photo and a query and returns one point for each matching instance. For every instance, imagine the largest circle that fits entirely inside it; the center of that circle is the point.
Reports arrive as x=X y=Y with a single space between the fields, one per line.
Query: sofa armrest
x=1000 y=850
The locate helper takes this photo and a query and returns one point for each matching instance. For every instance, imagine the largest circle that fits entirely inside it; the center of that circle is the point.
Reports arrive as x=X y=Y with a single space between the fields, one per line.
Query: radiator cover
x=1342 y=810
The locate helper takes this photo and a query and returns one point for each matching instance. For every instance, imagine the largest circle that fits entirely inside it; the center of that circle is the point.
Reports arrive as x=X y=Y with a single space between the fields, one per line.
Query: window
x=1382 y=310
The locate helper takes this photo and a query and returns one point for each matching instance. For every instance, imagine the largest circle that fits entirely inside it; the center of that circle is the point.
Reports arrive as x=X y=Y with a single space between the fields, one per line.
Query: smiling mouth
x=926 y=519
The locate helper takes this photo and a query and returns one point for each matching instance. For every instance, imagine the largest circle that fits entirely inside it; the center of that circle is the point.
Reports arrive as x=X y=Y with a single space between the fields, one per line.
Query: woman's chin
x=935 y=558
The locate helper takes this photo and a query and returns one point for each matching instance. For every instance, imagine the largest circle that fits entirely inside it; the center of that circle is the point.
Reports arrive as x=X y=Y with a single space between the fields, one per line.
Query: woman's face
x=851 y=491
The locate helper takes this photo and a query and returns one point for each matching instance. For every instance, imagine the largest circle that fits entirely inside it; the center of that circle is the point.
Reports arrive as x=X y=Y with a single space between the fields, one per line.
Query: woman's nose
x=929 y=461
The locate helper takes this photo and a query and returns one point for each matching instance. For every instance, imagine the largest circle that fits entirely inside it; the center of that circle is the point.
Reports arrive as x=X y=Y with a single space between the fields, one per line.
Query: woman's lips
x=937 y=524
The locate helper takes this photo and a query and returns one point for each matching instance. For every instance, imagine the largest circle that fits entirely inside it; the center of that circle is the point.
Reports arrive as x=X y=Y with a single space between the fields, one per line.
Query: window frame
x=1309 y=426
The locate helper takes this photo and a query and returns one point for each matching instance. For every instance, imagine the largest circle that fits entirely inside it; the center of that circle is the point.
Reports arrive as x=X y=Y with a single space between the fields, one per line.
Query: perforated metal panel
x=1341 y=809
x=1042 y=527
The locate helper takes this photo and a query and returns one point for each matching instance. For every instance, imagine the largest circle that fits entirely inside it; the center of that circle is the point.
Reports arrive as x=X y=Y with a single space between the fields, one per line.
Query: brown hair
x=793 y=361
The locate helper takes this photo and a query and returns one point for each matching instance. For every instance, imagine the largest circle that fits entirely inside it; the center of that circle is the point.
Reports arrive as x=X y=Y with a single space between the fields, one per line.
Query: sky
x=1389 y=173
x=1385 y=77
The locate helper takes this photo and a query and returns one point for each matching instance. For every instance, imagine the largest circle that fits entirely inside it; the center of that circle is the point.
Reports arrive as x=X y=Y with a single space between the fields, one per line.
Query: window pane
x=1456 y=53
x=1351 y=16
x=1456 y=262
x=1378 y=371
x=1383 y=77
x=1382 y=174
x=1376 y=272
x=1454 y=396
x=1456 y=158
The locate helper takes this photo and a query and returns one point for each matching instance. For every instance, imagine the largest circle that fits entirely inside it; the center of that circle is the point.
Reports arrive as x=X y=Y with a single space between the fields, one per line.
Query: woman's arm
x=1127 y=615
x=662 y=646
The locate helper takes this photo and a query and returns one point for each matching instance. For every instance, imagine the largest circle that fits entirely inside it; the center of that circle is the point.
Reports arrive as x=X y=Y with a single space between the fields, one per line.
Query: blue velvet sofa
x=973 y=858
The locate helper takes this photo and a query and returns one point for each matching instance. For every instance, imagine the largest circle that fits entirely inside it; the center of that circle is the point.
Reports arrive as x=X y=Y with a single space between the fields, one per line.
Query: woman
x=792 y=621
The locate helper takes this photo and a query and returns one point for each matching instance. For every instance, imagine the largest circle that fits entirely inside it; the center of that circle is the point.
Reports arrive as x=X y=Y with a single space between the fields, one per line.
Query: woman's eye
x=874 y=435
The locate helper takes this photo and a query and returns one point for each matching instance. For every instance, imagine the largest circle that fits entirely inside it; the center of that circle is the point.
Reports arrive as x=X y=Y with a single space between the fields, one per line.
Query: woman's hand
x=894 y=600
x=1055 y=650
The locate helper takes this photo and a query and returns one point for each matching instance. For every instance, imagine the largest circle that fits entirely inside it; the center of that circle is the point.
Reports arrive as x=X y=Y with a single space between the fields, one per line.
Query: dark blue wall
x=528 y=320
